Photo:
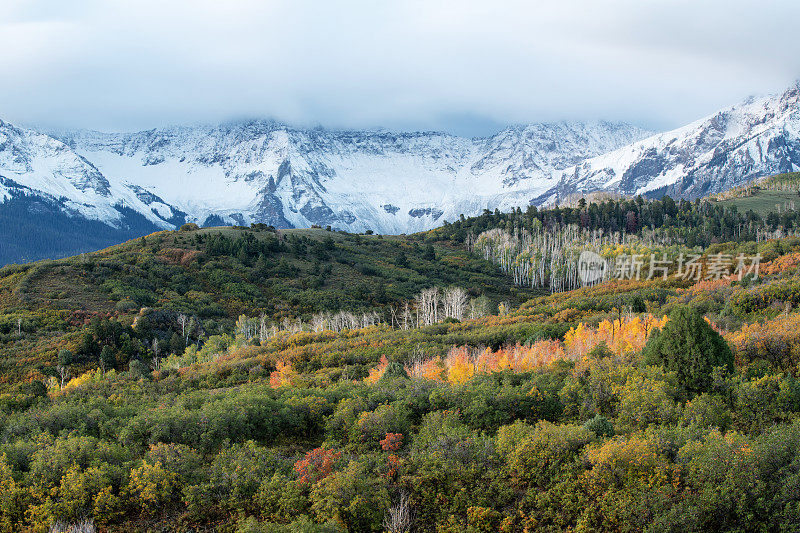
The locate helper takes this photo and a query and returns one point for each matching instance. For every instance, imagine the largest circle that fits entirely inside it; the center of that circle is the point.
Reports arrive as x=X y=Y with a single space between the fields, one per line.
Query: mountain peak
x=791 y=96
x=758 y=137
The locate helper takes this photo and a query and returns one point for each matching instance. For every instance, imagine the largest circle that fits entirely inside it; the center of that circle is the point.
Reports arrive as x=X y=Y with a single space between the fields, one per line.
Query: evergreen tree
x=106 y=359
x=65 y=358
x=689 y=346
x=394 y=370
x=401 y=260
x=176 y=344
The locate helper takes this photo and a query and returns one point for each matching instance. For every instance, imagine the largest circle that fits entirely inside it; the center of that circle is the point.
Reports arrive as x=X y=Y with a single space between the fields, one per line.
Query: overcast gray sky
x=463 y=66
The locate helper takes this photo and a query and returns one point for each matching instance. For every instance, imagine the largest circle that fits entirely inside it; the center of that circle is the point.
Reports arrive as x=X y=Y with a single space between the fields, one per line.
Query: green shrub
x=600 y=426
x=707 y=411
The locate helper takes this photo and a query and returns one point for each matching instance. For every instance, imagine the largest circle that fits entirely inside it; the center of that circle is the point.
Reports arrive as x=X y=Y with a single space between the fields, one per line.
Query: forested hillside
x=182 y=288
x=697 y=223
x=34 y=228
x=243 y=379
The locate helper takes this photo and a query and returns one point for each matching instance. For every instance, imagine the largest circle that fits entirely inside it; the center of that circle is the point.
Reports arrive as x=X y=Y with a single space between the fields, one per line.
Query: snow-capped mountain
x=263 y=171
x=759 y=137
x=53 y=202
x=33 y=164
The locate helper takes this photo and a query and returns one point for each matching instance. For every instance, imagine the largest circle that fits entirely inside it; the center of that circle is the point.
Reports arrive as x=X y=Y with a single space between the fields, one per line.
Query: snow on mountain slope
x=389 y=182
x=32 y=163
x=759 y=137
x=547 y=147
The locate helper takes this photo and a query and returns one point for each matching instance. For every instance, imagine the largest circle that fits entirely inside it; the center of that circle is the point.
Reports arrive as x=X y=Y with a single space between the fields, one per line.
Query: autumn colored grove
x=623 y=337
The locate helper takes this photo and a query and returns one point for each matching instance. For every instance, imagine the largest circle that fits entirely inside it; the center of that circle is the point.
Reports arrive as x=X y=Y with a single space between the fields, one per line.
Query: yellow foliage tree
x=459 y=365
x=623 y=337
x=151 y=485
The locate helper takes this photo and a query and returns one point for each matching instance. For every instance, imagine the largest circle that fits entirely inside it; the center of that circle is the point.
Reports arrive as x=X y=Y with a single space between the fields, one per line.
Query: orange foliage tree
x=520 y=358
x=376 y=373
x=283 y=375
x=781 y=264
x=392 y=442
x=425 y=368
x=317 y=464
